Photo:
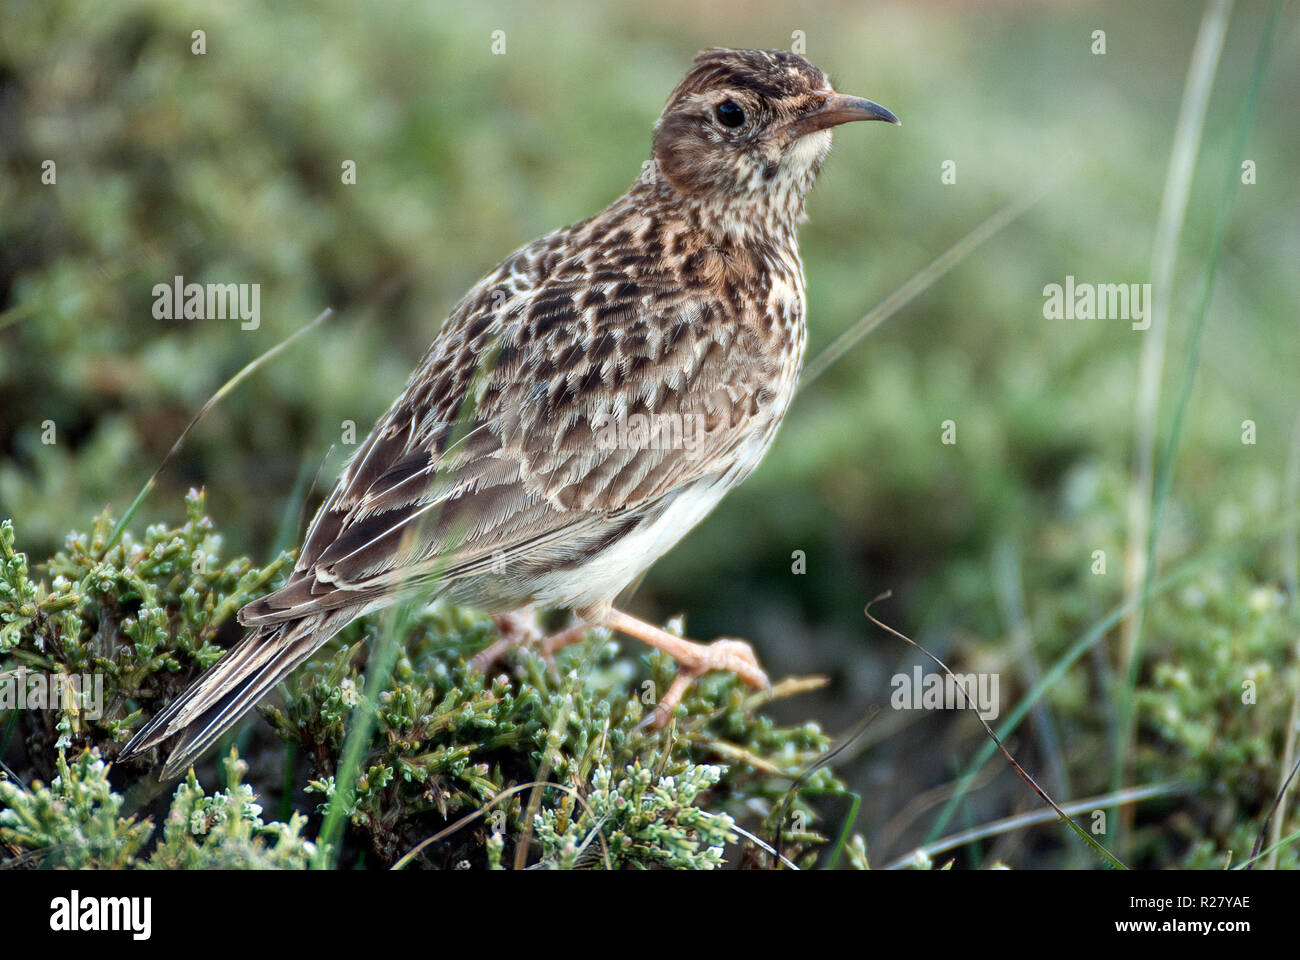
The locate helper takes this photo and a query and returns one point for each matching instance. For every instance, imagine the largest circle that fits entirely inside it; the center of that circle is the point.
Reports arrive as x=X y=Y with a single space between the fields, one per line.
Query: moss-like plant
x=76 y=822
x=448 y=741
x=142 y=616
x=1224 y=676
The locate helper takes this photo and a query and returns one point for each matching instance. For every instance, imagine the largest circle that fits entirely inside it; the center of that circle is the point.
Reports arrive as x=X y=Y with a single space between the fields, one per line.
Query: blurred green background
x=226 y=167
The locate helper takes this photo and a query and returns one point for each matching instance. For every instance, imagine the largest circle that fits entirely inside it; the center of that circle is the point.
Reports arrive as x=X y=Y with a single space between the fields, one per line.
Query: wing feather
x=495 y=451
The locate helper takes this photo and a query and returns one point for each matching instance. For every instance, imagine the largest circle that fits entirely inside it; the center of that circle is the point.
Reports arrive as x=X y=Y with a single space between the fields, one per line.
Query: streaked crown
x=751 y=128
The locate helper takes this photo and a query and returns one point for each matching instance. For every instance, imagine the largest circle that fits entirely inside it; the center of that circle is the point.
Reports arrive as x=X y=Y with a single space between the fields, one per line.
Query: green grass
x=226 y=168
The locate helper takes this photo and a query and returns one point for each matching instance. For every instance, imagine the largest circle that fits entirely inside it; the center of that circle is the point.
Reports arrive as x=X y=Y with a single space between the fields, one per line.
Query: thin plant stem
x=1169 y=225
x=224 y=391
x=1203 y=561
x=1022 y=820
x=922 y=280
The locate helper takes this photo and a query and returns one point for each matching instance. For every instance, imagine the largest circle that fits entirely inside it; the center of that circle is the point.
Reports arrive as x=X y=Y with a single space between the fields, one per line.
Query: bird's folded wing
x=576 y=420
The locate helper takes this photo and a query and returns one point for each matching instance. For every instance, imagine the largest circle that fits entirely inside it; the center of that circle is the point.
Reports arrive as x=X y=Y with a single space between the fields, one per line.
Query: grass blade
x=1169 y=226
x=921 y=281
x=225 y=390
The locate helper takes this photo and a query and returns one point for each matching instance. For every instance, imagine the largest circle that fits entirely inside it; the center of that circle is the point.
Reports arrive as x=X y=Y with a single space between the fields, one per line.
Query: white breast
x=627 y=558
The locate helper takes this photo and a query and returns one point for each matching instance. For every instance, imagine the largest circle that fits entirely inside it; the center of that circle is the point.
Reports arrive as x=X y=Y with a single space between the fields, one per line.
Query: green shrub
x=76 y=823
x=145 y=615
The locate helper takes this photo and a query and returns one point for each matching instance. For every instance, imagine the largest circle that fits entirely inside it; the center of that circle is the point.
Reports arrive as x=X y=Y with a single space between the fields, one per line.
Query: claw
x=695 y=660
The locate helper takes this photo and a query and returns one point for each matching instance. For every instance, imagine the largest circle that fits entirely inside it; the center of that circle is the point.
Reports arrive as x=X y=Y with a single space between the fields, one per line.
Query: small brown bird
x=585 y=405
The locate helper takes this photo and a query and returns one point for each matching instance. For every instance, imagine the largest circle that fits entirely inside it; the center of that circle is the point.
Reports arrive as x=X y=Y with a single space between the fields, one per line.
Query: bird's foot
x=694 y=660
x=513 y=630
x=519 y=629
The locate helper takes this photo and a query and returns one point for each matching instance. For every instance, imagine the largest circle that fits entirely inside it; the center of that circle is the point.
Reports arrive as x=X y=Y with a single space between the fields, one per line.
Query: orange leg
x=695 y=660
x=517 y=629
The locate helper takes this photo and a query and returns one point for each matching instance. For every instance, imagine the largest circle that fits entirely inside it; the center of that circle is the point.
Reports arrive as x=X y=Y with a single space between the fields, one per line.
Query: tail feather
x=232 y=686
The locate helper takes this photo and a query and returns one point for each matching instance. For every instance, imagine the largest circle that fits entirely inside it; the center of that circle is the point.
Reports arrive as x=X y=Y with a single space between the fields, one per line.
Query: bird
x=584 y=406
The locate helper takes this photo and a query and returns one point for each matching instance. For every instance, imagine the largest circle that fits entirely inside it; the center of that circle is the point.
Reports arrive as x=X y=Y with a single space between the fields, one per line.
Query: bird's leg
x=695 y=660
x=557 y=641
x=519 y=628
x=514 y=629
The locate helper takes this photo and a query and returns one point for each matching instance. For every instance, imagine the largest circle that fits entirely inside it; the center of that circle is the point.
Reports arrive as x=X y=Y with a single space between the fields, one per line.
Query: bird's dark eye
x=729 y=114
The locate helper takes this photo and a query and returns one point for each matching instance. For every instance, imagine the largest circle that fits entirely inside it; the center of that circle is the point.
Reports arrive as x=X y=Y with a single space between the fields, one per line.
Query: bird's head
x=752 y=128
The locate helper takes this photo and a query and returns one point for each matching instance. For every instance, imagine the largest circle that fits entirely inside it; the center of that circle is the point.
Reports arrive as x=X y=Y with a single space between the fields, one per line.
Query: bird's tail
x=232 y=686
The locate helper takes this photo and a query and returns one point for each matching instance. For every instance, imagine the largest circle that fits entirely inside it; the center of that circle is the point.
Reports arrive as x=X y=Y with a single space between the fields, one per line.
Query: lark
x=491 y=480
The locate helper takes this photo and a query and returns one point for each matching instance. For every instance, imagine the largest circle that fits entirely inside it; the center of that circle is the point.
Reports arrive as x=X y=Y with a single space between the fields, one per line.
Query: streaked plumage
x=484 y=482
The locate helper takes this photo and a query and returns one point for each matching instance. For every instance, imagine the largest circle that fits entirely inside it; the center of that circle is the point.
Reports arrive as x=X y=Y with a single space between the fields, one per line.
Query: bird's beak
x=840 y=108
